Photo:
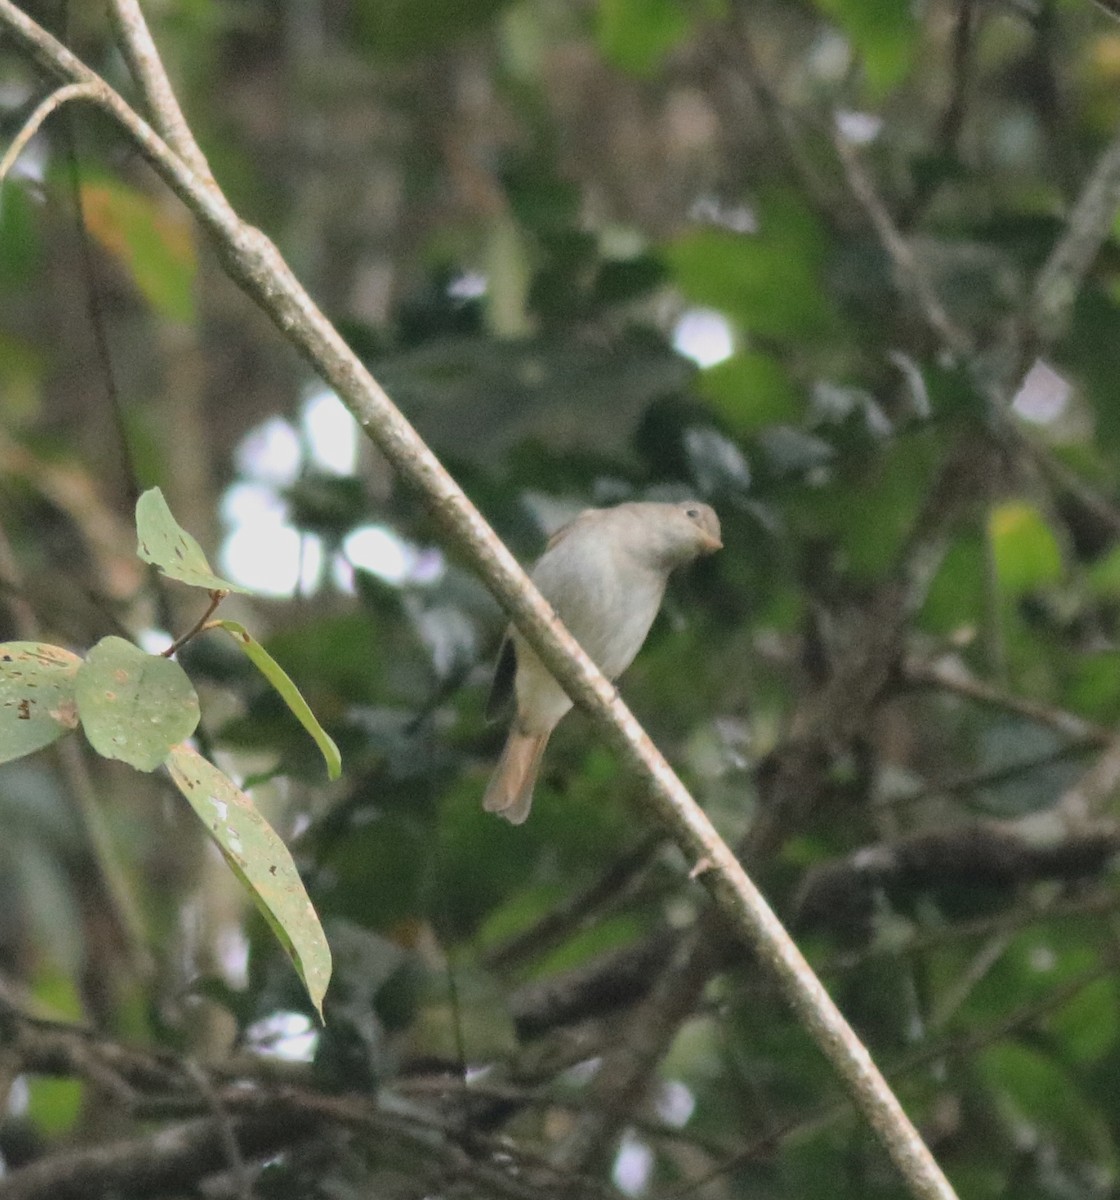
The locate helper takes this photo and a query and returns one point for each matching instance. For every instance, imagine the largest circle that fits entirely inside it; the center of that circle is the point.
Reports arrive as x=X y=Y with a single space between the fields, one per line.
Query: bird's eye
x=692 y=512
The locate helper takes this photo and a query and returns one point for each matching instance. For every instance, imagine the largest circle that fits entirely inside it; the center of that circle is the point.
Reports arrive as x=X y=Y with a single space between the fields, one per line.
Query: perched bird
x=604 y=574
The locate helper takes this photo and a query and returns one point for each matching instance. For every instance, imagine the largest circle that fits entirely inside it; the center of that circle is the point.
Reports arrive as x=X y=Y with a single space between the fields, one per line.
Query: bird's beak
x=710 y=543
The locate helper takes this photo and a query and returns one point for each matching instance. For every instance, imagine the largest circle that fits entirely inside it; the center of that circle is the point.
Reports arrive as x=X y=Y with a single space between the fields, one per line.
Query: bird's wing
x=505 y=670
x=501 y=687
x=567 y=528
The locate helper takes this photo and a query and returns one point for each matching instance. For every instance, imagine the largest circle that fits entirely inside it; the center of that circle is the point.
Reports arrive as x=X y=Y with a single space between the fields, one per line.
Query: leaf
x=403 y=29
x=884 y=33
x=20 y=243
x=262 y=863
x=770 y=281
x=36 y=696
x=134 y=706
x=281 y=681
x=1025 y=550
x=54 y=1105
x=750 y=390
x=164 y=542
x=637 y=34
x=156 y=245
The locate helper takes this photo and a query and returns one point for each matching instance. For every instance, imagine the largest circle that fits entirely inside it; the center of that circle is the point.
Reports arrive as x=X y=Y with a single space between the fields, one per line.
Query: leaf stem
x=216 y=597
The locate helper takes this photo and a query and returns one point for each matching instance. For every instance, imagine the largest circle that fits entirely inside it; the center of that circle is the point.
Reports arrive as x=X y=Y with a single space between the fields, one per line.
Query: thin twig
x=943 y=1048
x=216 y=597
x=1102 y=902
x=623 y=1076
x=95 y=311
x=910 y=274
x=1060 y=278
x=255 y=263
x=144 y=60
x=226 y=1135
x=72 y=91
x=951 y=678
x=75 y=770
x=579 y=911
x=989 y=777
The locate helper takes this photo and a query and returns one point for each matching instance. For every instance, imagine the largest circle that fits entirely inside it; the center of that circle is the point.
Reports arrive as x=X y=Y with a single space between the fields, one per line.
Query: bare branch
x=950 y=677
x=257 y=265
x=623 y=1077
x=143 y=57
x=1089 y=224
x=72 y=91
x=910 y=275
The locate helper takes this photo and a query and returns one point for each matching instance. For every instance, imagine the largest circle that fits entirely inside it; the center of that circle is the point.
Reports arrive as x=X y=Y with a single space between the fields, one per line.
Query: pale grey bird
x=604 y=573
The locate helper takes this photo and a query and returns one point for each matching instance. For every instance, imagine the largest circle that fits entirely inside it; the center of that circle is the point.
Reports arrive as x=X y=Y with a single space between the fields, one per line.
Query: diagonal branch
x=910 y=275
x=1060 y=278
x=255 y=263
x=147 y=66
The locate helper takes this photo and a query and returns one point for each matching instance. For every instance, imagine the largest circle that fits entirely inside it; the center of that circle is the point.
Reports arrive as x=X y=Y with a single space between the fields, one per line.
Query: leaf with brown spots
x=165 y=543
x=262 y=863
x=36 y=696
x=134 y=706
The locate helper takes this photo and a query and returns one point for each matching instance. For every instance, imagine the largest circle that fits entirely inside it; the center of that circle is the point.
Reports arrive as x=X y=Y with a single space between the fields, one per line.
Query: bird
x=604 y=573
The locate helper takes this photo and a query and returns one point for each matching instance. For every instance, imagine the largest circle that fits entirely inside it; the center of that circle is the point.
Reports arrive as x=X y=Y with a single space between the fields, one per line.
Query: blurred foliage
x=520 y=214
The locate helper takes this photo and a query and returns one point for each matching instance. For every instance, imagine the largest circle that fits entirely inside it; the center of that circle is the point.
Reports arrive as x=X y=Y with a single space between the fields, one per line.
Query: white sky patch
x=471 y=285
x=372 y=548
x=272 y=558
x=14 y=92
x=270 y=453
x=262 y=550
x=32 y=162
x=428 y=566
x=830 y=58
x=704 y=336
x=1043 y=396
x=19 y=1097
x=632 y=1166
x=858 y=128
x=675 y=1103
x=233 y=954
x=252 y=503
x=342 y=574
x=710 y=210
x=331 y=433
x=288 y=1036
x=154 y=641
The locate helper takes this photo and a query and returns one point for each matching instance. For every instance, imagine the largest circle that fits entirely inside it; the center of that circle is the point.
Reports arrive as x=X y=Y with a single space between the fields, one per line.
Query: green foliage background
x=894 y=690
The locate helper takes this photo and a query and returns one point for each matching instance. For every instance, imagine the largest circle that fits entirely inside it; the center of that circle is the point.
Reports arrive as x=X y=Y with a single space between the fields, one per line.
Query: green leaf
x=22 y=368
x=770 y=281
x=1025 y=550
x=134 y=706
x=956 y=596
x=1093 y=685
x=1104 y=576
x=280 y=680
x=750 y=390
x=637 y=34
x=164 y=542
x=36 y=696
x=262 y=863
x=884 y=34
x=54 y=1105
x=20 y=243
x=403 y=29
x=153 y=241
x=1038 y=1091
